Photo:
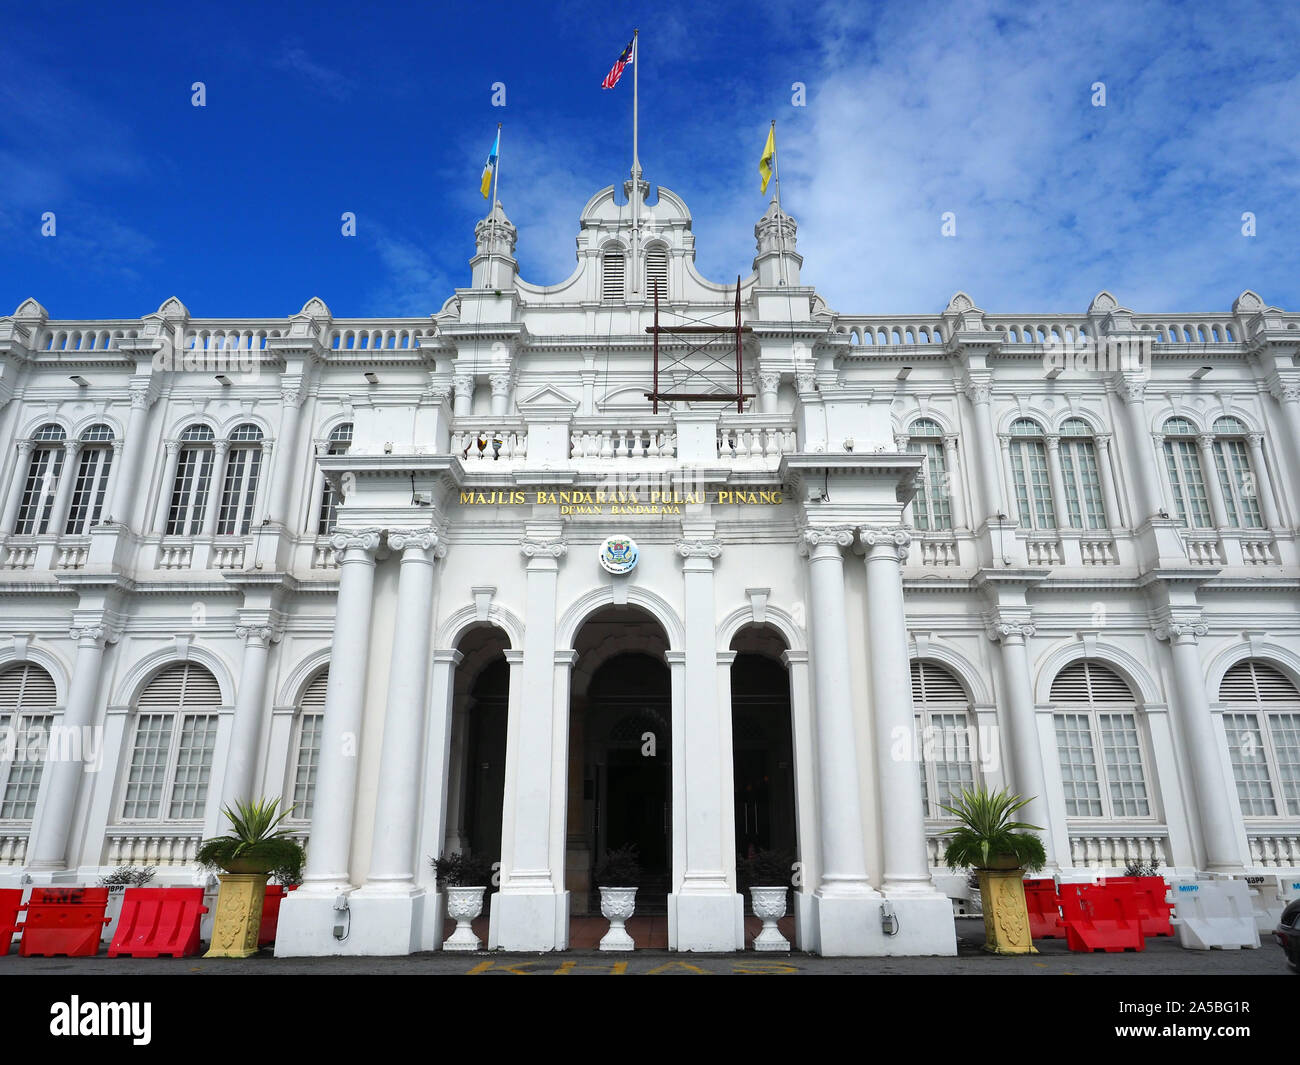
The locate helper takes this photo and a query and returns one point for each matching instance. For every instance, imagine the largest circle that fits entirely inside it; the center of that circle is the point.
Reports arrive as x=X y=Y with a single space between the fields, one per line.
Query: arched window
x=1083 y=500
x=307 y=732
x=946 y=738
x=172 y=744
x=656 y=271
x=613 y=268
x=1033 y=484
x=1186 y=482
x=931 y=508
x=193 y=476
x=339 y=441
x=1232 y=460
x=26 y=714
x=1262 y=720
x=1099 y=744
x=43 y=472
x=96 y=460
x=239 y=487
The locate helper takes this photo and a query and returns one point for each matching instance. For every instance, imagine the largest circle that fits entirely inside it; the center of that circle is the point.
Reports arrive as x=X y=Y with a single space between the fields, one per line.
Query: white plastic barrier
x=1289 y=887
x=1266 y=897
x=1213 y=914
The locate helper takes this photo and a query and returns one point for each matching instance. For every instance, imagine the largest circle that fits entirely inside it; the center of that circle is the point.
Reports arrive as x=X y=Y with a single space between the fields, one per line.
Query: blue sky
x=913 y=109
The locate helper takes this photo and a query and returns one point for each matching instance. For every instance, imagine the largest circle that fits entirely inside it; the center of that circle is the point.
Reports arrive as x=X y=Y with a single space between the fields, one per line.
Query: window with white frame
x=306 y=746
x=945 y=735
x=340 y=439
x=656 y=271
x=26 y=715
x=1099 y=742
x=94 y=463
x=239 y=486
x=1186 y=481
x=44 y=469
x=1236 y=478
x=613 y=270
x=931 y=509
x=1084 y=508
x=1262 y=720
x=173 y=737
x=1033 y=483
x=193 y=480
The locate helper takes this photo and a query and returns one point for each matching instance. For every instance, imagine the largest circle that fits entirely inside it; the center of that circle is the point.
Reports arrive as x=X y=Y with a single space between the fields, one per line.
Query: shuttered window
x=656 y=272
x=1099 y=743
x=612 y=275
x=945 y=737
x=26 y=696
x=174 y=738
x=311 y=714
x=1262 y=721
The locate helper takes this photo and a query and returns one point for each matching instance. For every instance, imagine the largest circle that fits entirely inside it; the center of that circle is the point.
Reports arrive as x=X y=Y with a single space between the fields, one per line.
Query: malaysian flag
x=627 y=57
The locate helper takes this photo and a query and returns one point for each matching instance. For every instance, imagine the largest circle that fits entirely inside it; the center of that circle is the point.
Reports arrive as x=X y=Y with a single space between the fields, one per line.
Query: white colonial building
x=355 y=564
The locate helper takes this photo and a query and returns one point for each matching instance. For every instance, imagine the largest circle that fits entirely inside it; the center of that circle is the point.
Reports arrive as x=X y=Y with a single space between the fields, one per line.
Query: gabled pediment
x=547 y=398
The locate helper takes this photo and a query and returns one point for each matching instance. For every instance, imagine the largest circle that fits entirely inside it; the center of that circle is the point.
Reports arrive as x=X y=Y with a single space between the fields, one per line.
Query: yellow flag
x=769 y=154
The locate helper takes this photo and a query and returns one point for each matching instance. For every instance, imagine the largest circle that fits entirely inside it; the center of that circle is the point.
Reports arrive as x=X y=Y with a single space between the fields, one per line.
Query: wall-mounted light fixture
x=1198 y=374
x=78 y=380
x=371 y=377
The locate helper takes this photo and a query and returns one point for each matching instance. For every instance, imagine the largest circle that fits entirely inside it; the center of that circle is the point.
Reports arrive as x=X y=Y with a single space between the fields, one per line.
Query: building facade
x=452 y=583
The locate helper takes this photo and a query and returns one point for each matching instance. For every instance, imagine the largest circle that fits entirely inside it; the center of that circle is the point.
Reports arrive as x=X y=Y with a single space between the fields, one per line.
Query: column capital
x=531 y=547
x=415 y=542
x=25 y=447
x=567 y=658
x=1131 y=390
x=1255 y=441
x=70 y=446
x=828 y=536
x=699 y=548
x=1007 y=629
x=1285 y=391
x=117 y=443
x=500 y=383
x=769 y=380
x=1004 y=439
x=1101 y=440
x=1205 y=441
x=139 y=398
x=950 y=441
x=221 y=446
x=978 y=391
x=1053 y=441
x=898 y=537
x=291 y=397
x=805 y=380
x=92 y=635
x=257 y=635
x=1180 y=629
x=462 y=383
x=366 y=540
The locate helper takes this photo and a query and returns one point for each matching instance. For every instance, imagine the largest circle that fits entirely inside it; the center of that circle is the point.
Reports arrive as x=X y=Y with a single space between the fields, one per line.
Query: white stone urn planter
x=463 y=905
x=617 y=904
x=769 y=907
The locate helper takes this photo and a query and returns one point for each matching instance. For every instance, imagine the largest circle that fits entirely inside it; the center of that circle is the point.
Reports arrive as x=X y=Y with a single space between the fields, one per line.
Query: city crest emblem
x=618 y=554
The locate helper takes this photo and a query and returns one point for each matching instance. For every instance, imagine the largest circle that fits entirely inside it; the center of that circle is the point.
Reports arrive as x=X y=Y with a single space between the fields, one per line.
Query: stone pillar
x=121 y=503
x=282 y=474
x=215 y=487
x=14 y=496
x=48 y=849
x=992 y=504
x=1218 y=833
x=463 y=404
x=165 y=489
x=1287 y=394
x=1060 y=504
x=116 y=449
x=250 y=704
x=704 y=912
x=1009 y=471
x=1027 y=778
x=500 y=383
x=1147 y=474
x=63 y=495
x=317 y=491
x=1210 y=476
x=769 y=382
x=441 y=771
x=1263 y=481
x=530 y=912
x=1110 y=499
x=952 y=469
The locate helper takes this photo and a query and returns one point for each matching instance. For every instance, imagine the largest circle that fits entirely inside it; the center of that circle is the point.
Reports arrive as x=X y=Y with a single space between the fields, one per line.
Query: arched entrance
x=620 y=755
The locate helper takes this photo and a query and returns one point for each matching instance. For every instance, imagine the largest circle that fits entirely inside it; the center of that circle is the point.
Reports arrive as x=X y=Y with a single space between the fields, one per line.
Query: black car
x=1287 y=933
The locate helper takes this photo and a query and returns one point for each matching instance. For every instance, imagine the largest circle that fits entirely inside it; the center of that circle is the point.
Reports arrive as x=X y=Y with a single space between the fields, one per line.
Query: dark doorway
x=763 y=754
x=485 y=764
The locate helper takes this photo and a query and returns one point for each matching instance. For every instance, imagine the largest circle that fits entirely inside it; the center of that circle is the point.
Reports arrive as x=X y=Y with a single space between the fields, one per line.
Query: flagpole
x=776 y=177
x=636 y=167
x=492 y=215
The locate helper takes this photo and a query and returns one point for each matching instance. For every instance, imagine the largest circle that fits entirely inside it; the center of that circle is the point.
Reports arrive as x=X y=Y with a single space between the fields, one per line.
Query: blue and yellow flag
x=769 y=154
x=490 y=167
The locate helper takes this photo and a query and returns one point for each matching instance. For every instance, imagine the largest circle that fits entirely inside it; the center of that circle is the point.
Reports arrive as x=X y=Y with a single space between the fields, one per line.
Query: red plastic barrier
x=1154 y=907
x=271 y=913
x=1101 y=917
x=11 y=900
x=64 y=921
x=1044 y=909
x=157 y=921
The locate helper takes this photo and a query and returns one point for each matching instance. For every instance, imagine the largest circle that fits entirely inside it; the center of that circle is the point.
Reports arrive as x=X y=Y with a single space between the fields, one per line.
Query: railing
x=936 y=549
x=13 y=846
x=72 y=554
x=755 y=445
x=19 y=556
x=233 y=338
x=93 y=339
x=1203 y=329
x=1114 y=849
x=1043 y=549
x=227 y=556
x=1039 y=332
x=1097 y=551
x=152 y=845
x=365 y=336
x=322 y=554
x=1203 y=548
x=1274 y=850
x=1257 y=551
x=612 y=443
x=489 y=445
x=174 y=556
x=880 y=331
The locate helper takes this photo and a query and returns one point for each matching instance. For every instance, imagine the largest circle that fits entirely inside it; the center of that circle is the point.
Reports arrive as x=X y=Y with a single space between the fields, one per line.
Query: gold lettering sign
x=622 y=501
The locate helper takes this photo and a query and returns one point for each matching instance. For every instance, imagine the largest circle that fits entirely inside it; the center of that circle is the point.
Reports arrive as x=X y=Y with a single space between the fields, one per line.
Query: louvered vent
x=656 y=273
x=1253 y=681
x=314 y=697
x=612 y=275
x=182 y=684
x=1088 y=682
x=25 y=686
x=933 y=684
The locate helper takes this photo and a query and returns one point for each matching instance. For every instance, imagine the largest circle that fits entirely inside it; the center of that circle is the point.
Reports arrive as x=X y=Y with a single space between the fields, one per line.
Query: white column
x=906 y=865
x=221 y=449
x=165 y=488
x=63 y=495
x=116 y=449
x=1060 y=505
x=805 y=784
x=530 y=912
x=1148 y=480
x=121 y=501
x=769 y=382
x=1210 y=476
x=500 y=383
x=48 y=849
x=317 y=491
x=451 y=839
x=952 y=467
x=1287 y=394
x=14 y=496
x=1218 y=835
x=705 y=912
x=1012 y=509
x=282 y=474
x=987 y=450
x=1263 y=481
x=844 y=861
x=250 y=703
x=1027 y=777
x=463 y=386
x=1110 y=499
x=336 y=780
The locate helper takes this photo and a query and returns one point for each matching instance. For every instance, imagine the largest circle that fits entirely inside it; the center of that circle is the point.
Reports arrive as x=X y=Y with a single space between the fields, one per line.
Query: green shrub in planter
x=767 y=868
x=619 y=868
x=465 y=870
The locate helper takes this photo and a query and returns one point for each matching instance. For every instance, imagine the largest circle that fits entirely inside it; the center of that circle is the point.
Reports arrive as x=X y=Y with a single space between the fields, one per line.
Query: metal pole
x=656 y=349
x=776 y=177
x=636 y=168
x=492 y=215
x=740 y=399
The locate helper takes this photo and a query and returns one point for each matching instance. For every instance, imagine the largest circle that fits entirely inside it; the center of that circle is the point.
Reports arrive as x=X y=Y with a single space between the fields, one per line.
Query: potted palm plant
x=256 y=846
x=465 y=878
x=618 y=876
x=767 y=875
x=1001 y=851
